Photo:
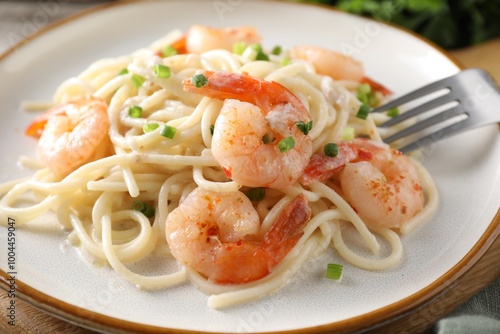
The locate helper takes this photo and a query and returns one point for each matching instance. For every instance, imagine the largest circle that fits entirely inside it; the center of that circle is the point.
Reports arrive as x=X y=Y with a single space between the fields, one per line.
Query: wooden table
x=485 y=271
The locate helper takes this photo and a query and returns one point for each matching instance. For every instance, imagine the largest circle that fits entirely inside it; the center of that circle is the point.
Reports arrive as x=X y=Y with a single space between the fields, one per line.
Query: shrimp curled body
x=255 y=117
x=73 y=134
x=200 y=39
x=215 y=234
x=336 y=65
x=380 y=183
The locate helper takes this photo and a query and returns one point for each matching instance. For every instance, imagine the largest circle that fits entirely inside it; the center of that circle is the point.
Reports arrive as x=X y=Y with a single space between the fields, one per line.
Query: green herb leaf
x=305 y=128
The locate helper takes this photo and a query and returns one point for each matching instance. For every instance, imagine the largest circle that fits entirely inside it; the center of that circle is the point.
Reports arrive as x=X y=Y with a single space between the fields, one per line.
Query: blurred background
x=451 y=24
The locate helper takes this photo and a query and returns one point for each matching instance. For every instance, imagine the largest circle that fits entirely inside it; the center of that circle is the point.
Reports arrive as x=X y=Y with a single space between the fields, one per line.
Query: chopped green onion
x=267 y=138
x=363 y=111
x=162 y=71
x=334 y=271
x=148 y=127
x=260 y=52
x=367 y=95
x=256 y=194
x=257 y=47
x=393 y=112
x=276 y=50
x=285 y=61
x=123 y=71
x=212 y=128
x=331 y=150
x=168 y=51
x=305 y=128
x=347 y=134
x=364 y=89
x=286 y=144
x=168 y=131
x=137 y=80
x=199 y=80
x=239 y=48
x=261 y=56
x=135 y=111
x=146 y=209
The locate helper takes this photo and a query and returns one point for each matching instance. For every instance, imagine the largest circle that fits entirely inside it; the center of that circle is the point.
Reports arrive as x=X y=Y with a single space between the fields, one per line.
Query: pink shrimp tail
x=377 y=86
x=247 y=261
x=287 y=229
x=35 y=128
x=322 y=167
x=243 y=87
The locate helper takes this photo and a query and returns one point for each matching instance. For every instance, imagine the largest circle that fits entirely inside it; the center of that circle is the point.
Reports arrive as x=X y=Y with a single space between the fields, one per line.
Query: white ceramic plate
x=53 y=277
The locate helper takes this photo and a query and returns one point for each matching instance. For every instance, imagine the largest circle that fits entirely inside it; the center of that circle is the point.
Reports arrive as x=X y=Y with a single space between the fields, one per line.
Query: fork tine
x=418 y=110
x=436 y=136
x=426 y=123
x=425 y=90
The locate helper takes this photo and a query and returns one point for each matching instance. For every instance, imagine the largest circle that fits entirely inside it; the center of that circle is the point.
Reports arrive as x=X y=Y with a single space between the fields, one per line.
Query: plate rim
x=380 y=317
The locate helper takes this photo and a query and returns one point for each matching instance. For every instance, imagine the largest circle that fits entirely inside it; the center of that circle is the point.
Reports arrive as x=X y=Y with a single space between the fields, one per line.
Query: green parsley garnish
x=123 y=71
x=305 y=128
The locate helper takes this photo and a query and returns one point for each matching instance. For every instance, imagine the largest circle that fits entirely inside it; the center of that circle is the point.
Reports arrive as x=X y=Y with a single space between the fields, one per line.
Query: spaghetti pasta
x=95 y=201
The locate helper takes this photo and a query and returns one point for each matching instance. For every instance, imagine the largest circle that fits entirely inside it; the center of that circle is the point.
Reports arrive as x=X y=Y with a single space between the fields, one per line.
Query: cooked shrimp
x=215 y=234
x=200 y=38
x=256 y=117
x=336 y=65
x=381 y=184
x=72 y=134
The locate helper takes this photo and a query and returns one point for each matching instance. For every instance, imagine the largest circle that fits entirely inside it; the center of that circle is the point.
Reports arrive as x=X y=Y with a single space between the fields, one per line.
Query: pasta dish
x=238 y=163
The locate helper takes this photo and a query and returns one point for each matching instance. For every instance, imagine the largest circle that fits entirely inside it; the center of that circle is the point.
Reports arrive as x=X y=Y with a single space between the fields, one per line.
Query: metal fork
x=478 y=98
